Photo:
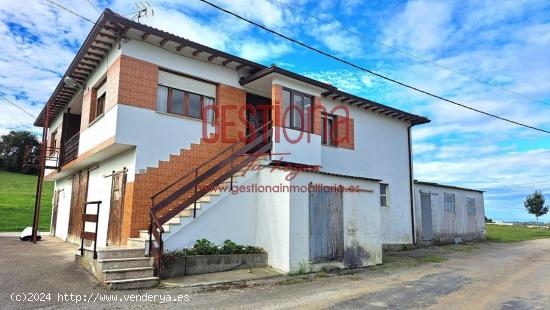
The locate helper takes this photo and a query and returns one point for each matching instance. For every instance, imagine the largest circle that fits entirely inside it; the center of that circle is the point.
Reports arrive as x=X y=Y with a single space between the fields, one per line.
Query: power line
x=70 y=11
x=94 y=6
x=370 y=71
x=295 y=8
x=17 y=106
x=522 y=184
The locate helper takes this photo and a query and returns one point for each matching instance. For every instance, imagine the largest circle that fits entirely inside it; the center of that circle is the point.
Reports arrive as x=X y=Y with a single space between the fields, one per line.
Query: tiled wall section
x=137 y=83
x=345 y=132
x=166 y=172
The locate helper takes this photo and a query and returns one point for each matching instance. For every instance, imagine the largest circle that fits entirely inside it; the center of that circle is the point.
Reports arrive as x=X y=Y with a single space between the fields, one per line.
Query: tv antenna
x=144 y=10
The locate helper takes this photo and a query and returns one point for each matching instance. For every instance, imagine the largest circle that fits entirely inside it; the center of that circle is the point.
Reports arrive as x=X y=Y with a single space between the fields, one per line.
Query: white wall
x=233 y=217
x=99 y=188
x=448 y=225
x=63 y=207
x=305 y=149
x=156 y=135
x=166 y=59
x=100 y=130
x=273 y=220
x=381 y=152
x=362 y=239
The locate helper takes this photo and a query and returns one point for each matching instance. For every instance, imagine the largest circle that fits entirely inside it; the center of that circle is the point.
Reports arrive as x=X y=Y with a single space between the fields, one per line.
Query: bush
x=207 y=247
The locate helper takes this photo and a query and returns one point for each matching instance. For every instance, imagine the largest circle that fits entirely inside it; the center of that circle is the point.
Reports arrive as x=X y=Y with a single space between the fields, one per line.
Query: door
x=261 y=113
x=78 y=201
x=54 y=211
x=426 y=209
x=326 y=226
x=118 y=186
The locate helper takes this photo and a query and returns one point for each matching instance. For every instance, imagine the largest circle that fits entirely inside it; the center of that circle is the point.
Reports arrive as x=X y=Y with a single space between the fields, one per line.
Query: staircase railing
x=186 y=190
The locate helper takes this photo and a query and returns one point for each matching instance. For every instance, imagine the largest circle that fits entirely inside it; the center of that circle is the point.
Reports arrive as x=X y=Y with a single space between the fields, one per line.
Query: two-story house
x=148 y=123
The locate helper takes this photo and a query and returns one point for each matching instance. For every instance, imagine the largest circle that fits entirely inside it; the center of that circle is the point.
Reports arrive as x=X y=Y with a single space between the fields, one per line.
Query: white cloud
x=259 y=51
x=421 y=26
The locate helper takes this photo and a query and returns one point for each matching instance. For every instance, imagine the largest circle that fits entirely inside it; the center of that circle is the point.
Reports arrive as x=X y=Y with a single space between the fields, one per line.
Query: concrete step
x=144 y=234
x=128 y=273
x=120 y=252
x=117 y=263
x=137 y=242
x=128 y=284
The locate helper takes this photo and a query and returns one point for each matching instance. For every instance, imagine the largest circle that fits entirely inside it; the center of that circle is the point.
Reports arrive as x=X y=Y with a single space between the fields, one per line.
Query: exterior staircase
x=188 y=215
x=120 y=267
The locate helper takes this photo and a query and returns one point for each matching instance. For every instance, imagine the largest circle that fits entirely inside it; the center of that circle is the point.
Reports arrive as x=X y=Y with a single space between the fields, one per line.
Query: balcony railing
x=70 y=149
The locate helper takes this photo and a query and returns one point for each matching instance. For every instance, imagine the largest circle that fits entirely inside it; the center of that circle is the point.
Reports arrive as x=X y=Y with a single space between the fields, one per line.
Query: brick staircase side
x=157 y=178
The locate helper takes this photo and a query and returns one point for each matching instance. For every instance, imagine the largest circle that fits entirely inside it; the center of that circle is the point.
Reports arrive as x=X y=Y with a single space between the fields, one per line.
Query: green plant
x=206 y=247
x=303 y=268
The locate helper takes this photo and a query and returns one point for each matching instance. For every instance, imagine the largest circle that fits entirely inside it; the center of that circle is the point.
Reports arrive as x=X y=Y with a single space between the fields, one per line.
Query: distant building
x=448 y=214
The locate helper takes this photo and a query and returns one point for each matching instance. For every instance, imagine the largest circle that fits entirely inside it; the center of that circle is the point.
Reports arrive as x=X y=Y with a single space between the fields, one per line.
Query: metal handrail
x=155 y=226
x=230 y=147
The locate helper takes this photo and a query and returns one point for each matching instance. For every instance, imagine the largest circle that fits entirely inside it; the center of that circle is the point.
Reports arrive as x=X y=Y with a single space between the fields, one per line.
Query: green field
x=17 y=202
x=505 y=233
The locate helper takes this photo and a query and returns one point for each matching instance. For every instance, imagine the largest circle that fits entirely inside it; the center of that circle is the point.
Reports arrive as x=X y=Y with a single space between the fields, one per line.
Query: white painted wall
x=381 y=152
x=166 y=59
x=448 y=225
x=273 y=220
x=100 y=130
x=304 y=149
x=63 y=207
x=233 y=217
x=99 y=188
x=361 y=220
x=156 y=135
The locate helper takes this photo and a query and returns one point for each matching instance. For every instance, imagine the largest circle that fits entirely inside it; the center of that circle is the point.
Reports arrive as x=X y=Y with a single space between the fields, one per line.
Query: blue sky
x=504 y=43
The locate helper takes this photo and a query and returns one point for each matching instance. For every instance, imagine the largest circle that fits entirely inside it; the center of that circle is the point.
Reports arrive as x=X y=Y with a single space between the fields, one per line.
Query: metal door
x=326 y=226
x=426 y=207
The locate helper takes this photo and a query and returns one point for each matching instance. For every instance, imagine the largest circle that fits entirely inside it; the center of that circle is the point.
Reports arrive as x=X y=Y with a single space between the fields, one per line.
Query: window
x=449 y=202
x=176 y=101
x=328 y=129
x=97 y=106
x=471 y=206
x=384 y=195
x=100 y=106
x=53 y=142
x=297 y=108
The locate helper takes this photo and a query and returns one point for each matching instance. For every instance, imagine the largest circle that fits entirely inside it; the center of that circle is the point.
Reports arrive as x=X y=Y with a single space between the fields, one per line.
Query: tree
x=12 y=150
x=535 y=205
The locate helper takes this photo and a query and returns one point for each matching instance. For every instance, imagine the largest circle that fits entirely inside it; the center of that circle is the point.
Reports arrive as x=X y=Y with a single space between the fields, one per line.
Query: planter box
x=198 y=264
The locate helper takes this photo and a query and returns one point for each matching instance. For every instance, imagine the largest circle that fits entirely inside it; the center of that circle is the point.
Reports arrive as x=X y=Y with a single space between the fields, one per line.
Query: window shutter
x=345 y=132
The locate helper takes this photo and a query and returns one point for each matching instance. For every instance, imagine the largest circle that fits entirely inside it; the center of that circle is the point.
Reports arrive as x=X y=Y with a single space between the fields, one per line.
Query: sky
x=506 y=44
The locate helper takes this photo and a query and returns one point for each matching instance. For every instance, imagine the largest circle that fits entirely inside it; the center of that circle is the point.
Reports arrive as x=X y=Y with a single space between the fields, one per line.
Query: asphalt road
x=483 y=276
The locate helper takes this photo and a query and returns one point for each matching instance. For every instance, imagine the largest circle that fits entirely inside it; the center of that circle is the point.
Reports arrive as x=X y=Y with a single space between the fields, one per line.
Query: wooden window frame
x=334 y=129
x=186 y=101
x=100 y=105
x=53 y=142
x=291 y=112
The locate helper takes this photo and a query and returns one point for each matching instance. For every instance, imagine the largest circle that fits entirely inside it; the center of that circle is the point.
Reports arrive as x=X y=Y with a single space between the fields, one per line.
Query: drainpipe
x=411 y=183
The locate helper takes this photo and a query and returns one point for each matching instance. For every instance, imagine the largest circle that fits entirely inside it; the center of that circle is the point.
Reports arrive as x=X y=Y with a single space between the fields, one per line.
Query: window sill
x=96 y=120
x=183 y=116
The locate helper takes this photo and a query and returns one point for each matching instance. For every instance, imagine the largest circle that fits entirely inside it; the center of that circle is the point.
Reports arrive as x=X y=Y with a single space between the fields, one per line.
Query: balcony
x=69 y=151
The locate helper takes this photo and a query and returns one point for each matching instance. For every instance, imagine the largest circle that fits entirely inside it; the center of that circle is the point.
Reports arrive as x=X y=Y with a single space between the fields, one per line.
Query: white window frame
x=449 y=202
x=386 y=195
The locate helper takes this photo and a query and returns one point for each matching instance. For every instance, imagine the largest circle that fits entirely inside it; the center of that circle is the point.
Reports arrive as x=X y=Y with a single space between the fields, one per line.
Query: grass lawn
x=17 y=202
x=505 y=233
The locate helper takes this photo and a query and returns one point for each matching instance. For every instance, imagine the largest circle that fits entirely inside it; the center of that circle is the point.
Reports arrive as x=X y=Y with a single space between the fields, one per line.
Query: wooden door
x=426 y=213
x=78 y=201
x=116 y=209
x=326 y=226
x=54 y=210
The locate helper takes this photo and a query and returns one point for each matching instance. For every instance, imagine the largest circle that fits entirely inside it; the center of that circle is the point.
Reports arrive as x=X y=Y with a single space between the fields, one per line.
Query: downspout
x=411 y=181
